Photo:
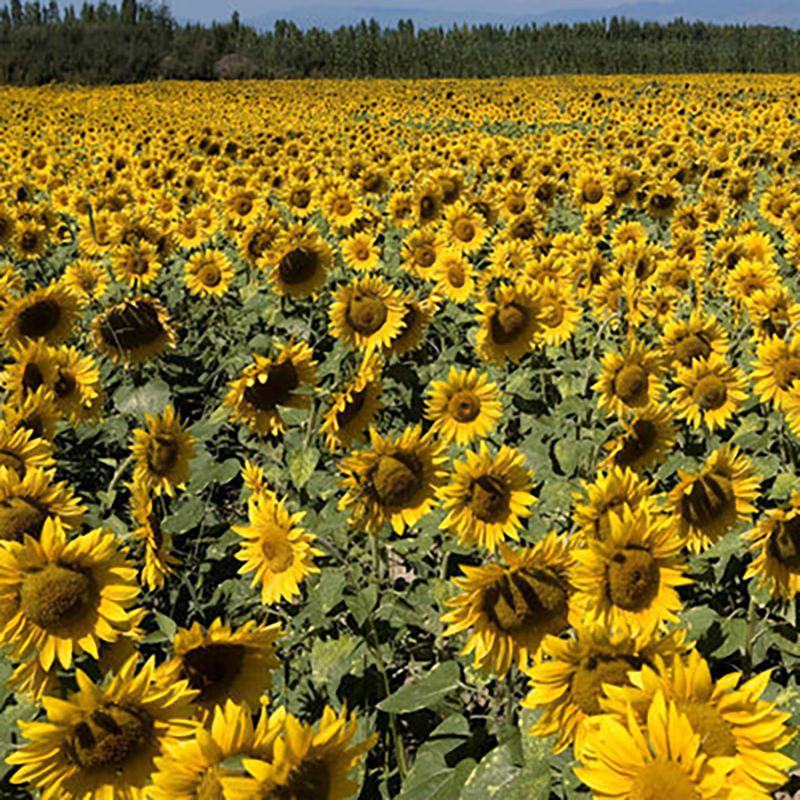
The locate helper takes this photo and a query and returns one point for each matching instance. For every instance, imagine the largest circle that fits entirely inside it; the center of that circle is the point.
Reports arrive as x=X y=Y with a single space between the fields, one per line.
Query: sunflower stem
x=115 y=478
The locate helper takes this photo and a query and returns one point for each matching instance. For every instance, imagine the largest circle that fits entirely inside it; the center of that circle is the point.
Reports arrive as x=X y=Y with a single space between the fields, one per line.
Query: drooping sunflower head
x=62 y=598
x=102 y=741
x=569 y=682
x=465 y=407
x=270 y=383
x=394 y=481
x=367 y=314
x=49 y=313
x=630 y=379
x=649 y=435
x=162 y=452
x=20 y=449
x=354 y=408
x=276 y=550
x=510 y=323
x=133 y=331
x=417 y=317
x=706 y=505
x=510 y=609
x=299 y=262
x=157 y=557
x=223 y=664
x=488 y=497
x=630 y=577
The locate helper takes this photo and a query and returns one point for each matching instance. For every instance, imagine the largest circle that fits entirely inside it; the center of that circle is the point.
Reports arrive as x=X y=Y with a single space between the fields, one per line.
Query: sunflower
x=707 y=505
x=278 y=552
x=730 y=716
x=195 y=769
x=37 y=413
x=592 y=192
x=611 y=491
x=367 y=314
x=101 y=743
x=133 y=331
x=298 y=263
x=463 y=229
x=61 y=597
x=395 y=481
x=136 y=265
x=749 y=277
x=208 y=273
x=29 y=240
x=561 y=313
x=465 y=407
x=454 y=276
x=420 y=253
x=630 y=577
x=776 y=370
x=340 y=205
x=709 y=392
x=50 y=313
x=510 y=609
x=223 y=663
x=629 y=380
x=162 y=453
x=699 y=337
x=21 y=450
x=76 y=387
x=660 y=761
x=158 y=561
x=31 y=367
x=353 y=409
x=27 y=501
x=304 y=762
x=647 y=438
x=567 y=684
x=360 y=252
x=487 y=497
x=775 y=547
x=272 y=383
x=510 y=323
x=417 y=317
x=87 y=278
x=773 y=312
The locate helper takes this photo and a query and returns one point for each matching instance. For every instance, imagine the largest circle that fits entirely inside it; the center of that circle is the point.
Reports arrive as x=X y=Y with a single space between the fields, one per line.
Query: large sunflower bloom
x=629 y=380
x=510 y=323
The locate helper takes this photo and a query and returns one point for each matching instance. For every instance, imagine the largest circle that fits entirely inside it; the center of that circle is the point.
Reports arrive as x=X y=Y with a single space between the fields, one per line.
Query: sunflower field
x=428 y=440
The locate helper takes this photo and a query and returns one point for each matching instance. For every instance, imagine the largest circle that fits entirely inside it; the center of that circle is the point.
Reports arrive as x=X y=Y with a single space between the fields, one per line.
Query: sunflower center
x=212 y=668
x=464 y=406
x=109 y=736
x=786 y=372
x=662 y=780
x=311 y=779
x=424 y=256
x=489 y=499
x=630 y=384
x=210 y=275
x=632 y=579
x=455 y=275
x=554 y=315
x=352 y=408
x=281 y=381
x=396 y=479
x=55 y=595
x=637 y=443
x=691 y=347
x=710 y=393
x=298 y=266
x=342 y=206
x=523 y=602
x=464 y=230
x=301 y=198
x=784 y=543
x=65 y=384
x=508 y=322
x=209 y=787
x=20 y=515
x=39 y=318
x=366 y=313
x=593 y=192
x=32 y=377
x=130 y=326
x=717 y=738
x=710 y=497
x=278 y=554
x=427 y=208
x=162 y=453
x=593 y=672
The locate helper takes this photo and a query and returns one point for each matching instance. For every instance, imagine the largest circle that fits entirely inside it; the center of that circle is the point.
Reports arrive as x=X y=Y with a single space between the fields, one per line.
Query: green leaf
x=432 y=779
x=187 y=516
x=331 y=661
x=493 y=776
x=425 y=691
x=302 y=464
x=361 y=605
x=151 y=398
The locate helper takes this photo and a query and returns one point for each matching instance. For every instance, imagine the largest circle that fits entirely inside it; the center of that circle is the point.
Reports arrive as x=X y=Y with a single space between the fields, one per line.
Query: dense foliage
x=136 y=42
x=400 y=440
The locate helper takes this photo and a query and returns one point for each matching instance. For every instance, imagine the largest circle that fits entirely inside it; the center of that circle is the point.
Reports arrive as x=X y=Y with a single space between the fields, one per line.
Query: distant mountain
x=332 y=14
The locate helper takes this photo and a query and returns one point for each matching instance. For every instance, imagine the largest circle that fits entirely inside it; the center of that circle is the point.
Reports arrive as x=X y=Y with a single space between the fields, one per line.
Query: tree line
x=106 y=43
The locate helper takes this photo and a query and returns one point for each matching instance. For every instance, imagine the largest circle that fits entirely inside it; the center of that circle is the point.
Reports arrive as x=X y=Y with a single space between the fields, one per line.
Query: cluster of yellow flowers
x=647 y=228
